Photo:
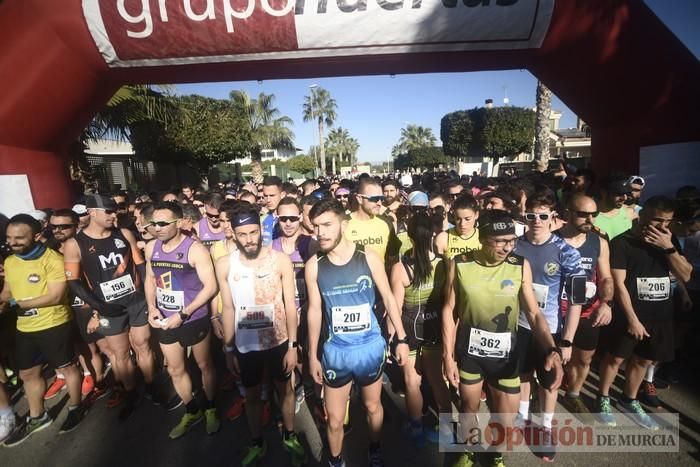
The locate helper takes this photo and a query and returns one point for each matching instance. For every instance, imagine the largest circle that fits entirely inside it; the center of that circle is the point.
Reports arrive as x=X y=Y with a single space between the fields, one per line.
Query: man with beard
x=580 y=233
x=636 y=184
x=392 y=199
x=260 y=326
x=209 y=229
x=342 y=194
x=341 y=282
x=179 y=283
x=35 y=288
x=614 y=218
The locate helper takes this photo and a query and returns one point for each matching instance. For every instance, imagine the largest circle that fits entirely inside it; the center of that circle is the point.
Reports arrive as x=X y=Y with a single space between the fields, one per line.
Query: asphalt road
x=142 y=440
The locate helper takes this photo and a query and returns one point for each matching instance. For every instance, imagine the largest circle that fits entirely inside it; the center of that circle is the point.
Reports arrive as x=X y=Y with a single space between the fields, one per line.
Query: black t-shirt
x=648 y=276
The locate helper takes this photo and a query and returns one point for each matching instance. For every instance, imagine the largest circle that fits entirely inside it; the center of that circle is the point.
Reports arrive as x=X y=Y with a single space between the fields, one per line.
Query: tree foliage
x=456 y=133
x=321 y=108
x=427 y=156
x=482 y=132
x=413 y=137
x=204 y=132
x=302 y=164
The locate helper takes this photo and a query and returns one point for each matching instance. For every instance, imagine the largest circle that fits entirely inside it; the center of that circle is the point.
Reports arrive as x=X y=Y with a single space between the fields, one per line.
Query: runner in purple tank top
x=209 y=229
x=180 y=282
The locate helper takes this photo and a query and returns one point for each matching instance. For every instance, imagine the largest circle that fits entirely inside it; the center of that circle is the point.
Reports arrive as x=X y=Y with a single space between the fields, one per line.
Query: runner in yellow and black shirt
x=463 y=237
x=35 y=288
x=485 y=290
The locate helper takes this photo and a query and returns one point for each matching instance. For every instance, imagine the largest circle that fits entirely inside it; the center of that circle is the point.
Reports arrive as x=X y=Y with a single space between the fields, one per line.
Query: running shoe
x=647 y=395
x=187 y=421
x=547 y=448
x=101 y=390
x=27 y=429
x=415 y=434
x=73 y=419
x=211 y=421
x=88 y=385
x=521 y=422
x=466 y=459
x=236 y=410
x=374 y=458
x=575 y=405
x=295 y=450
x=253 y=454
x=56 y=387
x=638 y=414
x=173 y=403
x=7 y=426
x=116 y=398
x=605 y=411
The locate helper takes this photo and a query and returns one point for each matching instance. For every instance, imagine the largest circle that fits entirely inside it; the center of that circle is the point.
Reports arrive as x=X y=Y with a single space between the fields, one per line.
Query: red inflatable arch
x=612 y=61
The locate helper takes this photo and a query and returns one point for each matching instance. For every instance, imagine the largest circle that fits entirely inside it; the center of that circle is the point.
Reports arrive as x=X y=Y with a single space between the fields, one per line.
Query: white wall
x=667 y=167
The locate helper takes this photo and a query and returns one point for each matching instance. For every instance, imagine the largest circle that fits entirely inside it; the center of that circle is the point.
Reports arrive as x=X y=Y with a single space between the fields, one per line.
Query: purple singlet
x=177 y=283
x=206 y=236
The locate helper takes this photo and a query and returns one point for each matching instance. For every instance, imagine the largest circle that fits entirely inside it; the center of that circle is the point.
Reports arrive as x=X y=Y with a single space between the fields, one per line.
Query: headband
x=245 y=219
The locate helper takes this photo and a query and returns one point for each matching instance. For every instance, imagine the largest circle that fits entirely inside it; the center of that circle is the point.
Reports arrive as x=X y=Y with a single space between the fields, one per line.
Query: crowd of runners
x=496 y=291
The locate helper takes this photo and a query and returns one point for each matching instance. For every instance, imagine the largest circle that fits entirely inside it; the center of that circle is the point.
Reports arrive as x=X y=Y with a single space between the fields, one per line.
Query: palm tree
x=342 y=145
x=412 y=137
x=268 y=127
x=544 y=110
x=320 y=107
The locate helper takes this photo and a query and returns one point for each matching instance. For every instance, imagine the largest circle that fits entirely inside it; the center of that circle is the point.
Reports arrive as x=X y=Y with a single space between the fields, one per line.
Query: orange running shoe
x=55 y=388
x=236 y=410
x=88 y=385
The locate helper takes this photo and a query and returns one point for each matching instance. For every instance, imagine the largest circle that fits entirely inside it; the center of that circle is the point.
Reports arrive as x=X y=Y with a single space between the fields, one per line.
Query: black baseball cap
x=100 y=202
x=618 y=187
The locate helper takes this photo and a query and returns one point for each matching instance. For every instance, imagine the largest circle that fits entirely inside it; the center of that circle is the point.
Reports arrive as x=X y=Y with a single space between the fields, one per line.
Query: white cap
x=38 y=215
x=79 y=209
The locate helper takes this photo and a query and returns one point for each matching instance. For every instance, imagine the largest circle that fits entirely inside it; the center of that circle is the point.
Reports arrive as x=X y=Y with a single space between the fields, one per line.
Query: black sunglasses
x=61 y=226
x=163 y=223
x=212 y=216
x=289 y=218
x=584 y=214
x=342 y=196
x=373 y=199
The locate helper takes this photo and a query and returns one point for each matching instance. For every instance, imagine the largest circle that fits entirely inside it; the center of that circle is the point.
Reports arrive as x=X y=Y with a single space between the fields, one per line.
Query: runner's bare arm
x=135 y=253
x=149 y=282
x=399 y=282
x=288 y=293
x=449 y=326
x=606 y=285
x=5 y=296
x=228 y=315
x=381 y=282
x=200 y=260
x=314 y=316
x=441 y=243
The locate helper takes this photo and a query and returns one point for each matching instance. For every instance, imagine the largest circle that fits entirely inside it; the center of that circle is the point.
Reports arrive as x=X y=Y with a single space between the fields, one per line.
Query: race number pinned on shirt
x=117 y=288
x=541 y=294
x=172 y=301
x=255 y=317
x=351 y=319
x=489 y=344
x=653 y=289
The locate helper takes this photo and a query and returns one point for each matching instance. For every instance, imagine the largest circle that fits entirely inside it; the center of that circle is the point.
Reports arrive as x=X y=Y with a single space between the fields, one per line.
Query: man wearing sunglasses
x=614 y=218
x=554 y=263
x=342 y=194
x=367 y=228
x=209 y=229
x=485 y=289
x=105 y=268
x=179 y=284
x=124 y=220
x=580 y=233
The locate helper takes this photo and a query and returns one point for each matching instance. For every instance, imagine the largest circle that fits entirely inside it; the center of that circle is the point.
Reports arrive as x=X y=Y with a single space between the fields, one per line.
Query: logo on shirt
x=507 y=285
x=364 y=283
x=330 y=375
x=179 y=255
x=113 y=260
x=119 y=243
x=33 y=278
x=551 y=269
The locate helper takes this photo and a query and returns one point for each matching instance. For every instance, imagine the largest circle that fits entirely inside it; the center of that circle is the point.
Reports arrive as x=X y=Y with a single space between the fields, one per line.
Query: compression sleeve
x=104 y=308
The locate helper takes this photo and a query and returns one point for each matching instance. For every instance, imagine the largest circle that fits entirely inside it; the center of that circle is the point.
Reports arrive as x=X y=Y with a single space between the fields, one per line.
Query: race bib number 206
x=653 y=289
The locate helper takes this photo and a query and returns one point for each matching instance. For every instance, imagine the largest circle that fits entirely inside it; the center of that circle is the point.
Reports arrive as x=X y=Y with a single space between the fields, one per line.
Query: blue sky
x=375 y=108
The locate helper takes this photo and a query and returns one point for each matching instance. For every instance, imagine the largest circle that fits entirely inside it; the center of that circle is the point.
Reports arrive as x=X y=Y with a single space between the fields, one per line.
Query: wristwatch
x=555 y=349
x=563 y=343
x=670 y=251
x=402 y=341
x=293 y=344
x=183 y=316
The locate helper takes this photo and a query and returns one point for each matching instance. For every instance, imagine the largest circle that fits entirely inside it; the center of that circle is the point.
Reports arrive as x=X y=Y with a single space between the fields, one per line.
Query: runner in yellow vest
x=463 y=237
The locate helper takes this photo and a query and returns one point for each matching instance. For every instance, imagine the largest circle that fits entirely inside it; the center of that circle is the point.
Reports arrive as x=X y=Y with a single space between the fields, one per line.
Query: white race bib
x=256 y=317
x=170 y=300
x=117 y=288
x=489 y=344
x=541 y=294
x=351 y=319
x=653 y=289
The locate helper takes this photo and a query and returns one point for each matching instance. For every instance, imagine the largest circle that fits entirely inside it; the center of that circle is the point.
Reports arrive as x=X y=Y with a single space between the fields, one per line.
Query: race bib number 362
x=489 y=344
